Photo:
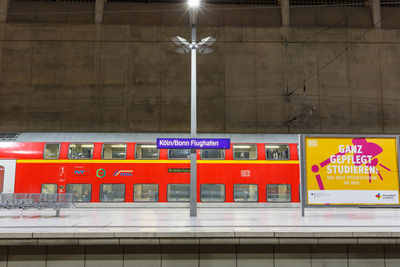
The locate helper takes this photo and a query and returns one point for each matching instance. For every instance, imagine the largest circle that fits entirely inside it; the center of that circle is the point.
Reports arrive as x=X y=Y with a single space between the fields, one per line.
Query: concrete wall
x=204 y=256
x=64 y=73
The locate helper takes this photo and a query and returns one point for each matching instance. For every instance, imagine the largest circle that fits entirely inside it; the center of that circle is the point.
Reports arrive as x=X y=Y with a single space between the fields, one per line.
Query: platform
x=120 y=226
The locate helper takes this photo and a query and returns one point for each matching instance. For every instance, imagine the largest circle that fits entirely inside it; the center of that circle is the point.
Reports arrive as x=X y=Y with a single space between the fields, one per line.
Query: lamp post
x=185 y=47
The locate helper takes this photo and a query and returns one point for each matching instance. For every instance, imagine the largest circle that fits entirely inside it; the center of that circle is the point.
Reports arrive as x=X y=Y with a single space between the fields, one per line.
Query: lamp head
x=193 y=3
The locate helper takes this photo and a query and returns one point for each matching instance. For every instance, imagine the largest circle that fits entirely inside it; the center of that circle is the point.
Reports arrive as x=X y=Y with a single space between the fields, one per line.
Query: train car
x=111 y=167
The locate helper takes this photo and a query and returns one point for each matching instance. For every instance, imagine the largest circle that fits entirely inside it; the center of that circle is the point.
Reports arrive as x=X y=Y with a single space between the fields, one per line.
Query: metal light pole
x=185 y=47
x=193 y=116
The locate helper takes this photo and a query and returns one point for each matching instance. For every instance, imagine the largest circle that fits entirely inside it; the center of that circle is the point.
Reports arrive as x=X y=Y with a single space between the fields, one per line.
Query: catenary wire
x=339 y=54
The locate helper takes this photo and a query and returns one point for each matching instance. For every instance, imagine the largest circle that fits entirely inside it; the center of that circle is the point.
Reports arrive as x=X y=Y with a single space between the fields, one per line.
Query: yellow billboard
x=351 y=171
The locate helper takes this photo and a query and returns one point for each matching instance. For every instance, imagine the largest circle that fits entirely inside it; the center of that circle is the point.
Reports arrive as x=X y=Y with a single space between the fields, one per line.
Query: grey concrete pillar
x=3 y=10
x=285 y=13
x=376 y=13
x=98 y=18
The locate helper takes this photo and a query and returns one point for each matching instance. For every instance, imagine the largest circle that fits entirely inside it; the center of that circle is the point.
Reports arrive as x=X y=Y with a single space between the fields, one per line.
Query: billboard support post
x=398 y=159
x=302 y=174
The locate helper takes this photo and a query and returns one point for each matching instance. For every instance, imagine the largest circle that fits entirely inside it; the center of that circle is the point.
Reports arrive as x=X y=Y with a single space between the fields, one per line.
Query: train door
x=7 y=175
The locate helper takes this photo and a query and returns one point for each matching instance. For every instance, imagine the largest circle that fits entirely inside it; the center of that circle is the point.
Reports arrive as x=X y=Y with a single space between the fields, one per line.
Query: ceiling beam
x=376 y=13
x=4 y=10
x=285 y=12
x=99 y=8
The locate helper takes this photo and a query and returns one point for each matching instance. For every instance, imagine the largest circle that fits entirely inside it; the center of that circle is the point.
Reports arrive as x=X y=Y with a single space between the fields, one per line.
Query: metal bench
x=39 y=201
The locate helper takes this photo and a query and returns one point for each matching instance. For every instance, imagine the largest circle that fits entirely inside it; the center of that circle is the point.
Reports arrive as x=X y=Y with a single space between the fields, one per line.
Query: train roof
x=146 y=137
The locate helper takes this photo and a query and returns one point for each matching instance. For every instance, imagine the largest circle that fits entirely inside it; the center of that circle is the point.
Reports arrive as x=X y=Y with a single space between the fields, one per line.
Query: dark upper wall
x=213 y=15
x=124 y=76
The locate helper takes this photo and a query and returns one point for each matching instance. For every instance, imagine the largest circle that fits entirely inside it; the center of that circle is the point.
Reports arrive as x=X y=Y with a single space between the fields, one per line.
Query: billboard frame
x=303 y=174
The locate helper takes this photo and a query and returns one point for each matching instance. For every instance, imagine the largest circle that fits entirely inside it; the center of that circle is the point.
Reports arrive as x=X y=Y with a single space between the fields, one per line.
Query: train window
x=178 y=192
x=245 y=192
x=1 y=178
x=212 y=192
x=49 y=189
x=147 y=151
x=80 y=151
x=51 y=151
x=82 y=192
x=279 y=193
x=145 y=192
x=244 y=151
x=114 y=151
x=276 y=152
x=179 y=153
x=212 y=154
x=112 y=192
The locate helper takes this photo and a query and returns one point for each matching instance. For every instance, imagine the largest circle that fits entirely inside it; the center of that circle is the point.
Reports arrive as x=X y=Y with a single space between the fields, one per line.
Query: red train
x=100 y=167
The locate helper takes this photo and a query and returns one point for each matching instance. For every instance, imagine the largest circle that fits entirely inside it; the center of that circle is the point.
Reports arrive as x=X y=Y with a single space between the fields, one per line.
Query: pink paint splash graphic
x=368 y=149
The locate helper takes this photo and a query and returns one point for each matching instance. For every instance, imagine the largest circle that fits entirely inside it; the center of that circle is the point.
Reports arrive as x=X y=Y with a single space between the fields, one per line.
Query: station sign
x=196 y=143
x=350 y=171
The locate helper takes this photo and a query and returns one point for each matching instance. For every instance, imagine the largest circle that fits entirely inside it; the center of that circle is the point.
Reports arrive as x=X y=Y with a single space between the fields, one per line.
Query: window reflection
x=244 y=151
x=212 y=192
x=81 y=192
x=245 y=192
x=178 y=192
x=80 y=151
x=278 y=193
x=48 y=189
x=212 y=153
x=51 y=151
x=277 y=152
x=112 y=192
x=179 y=153
x=147 y=151
x=145 y=192
x=114 y=151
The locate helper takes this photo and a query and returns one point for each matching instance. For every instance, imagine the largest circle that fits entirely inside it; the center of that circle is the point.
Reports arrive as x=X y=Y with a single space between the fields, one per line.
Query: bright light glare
x=237 y=146
x=193 y=3
x=268 y=146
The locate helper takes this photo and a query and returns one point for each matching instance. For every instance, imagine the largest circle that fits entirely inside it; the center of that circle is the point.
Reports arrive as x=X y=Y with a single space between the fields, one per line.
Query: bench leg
x=57 y=212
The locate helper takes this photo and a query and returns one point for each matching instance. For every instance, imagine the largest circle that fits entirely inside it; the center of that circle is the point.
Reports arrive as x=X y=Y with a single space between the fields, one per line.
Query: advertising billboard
x=350 y=170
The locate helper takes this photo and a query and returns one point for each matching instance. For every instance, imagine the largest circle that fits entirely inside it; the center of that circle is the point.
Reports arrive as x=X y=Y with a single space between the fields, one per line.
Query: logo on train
x=101 y=173
x=81 y=172
x=123 y=173
x=61 y=189
x=378 y=196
